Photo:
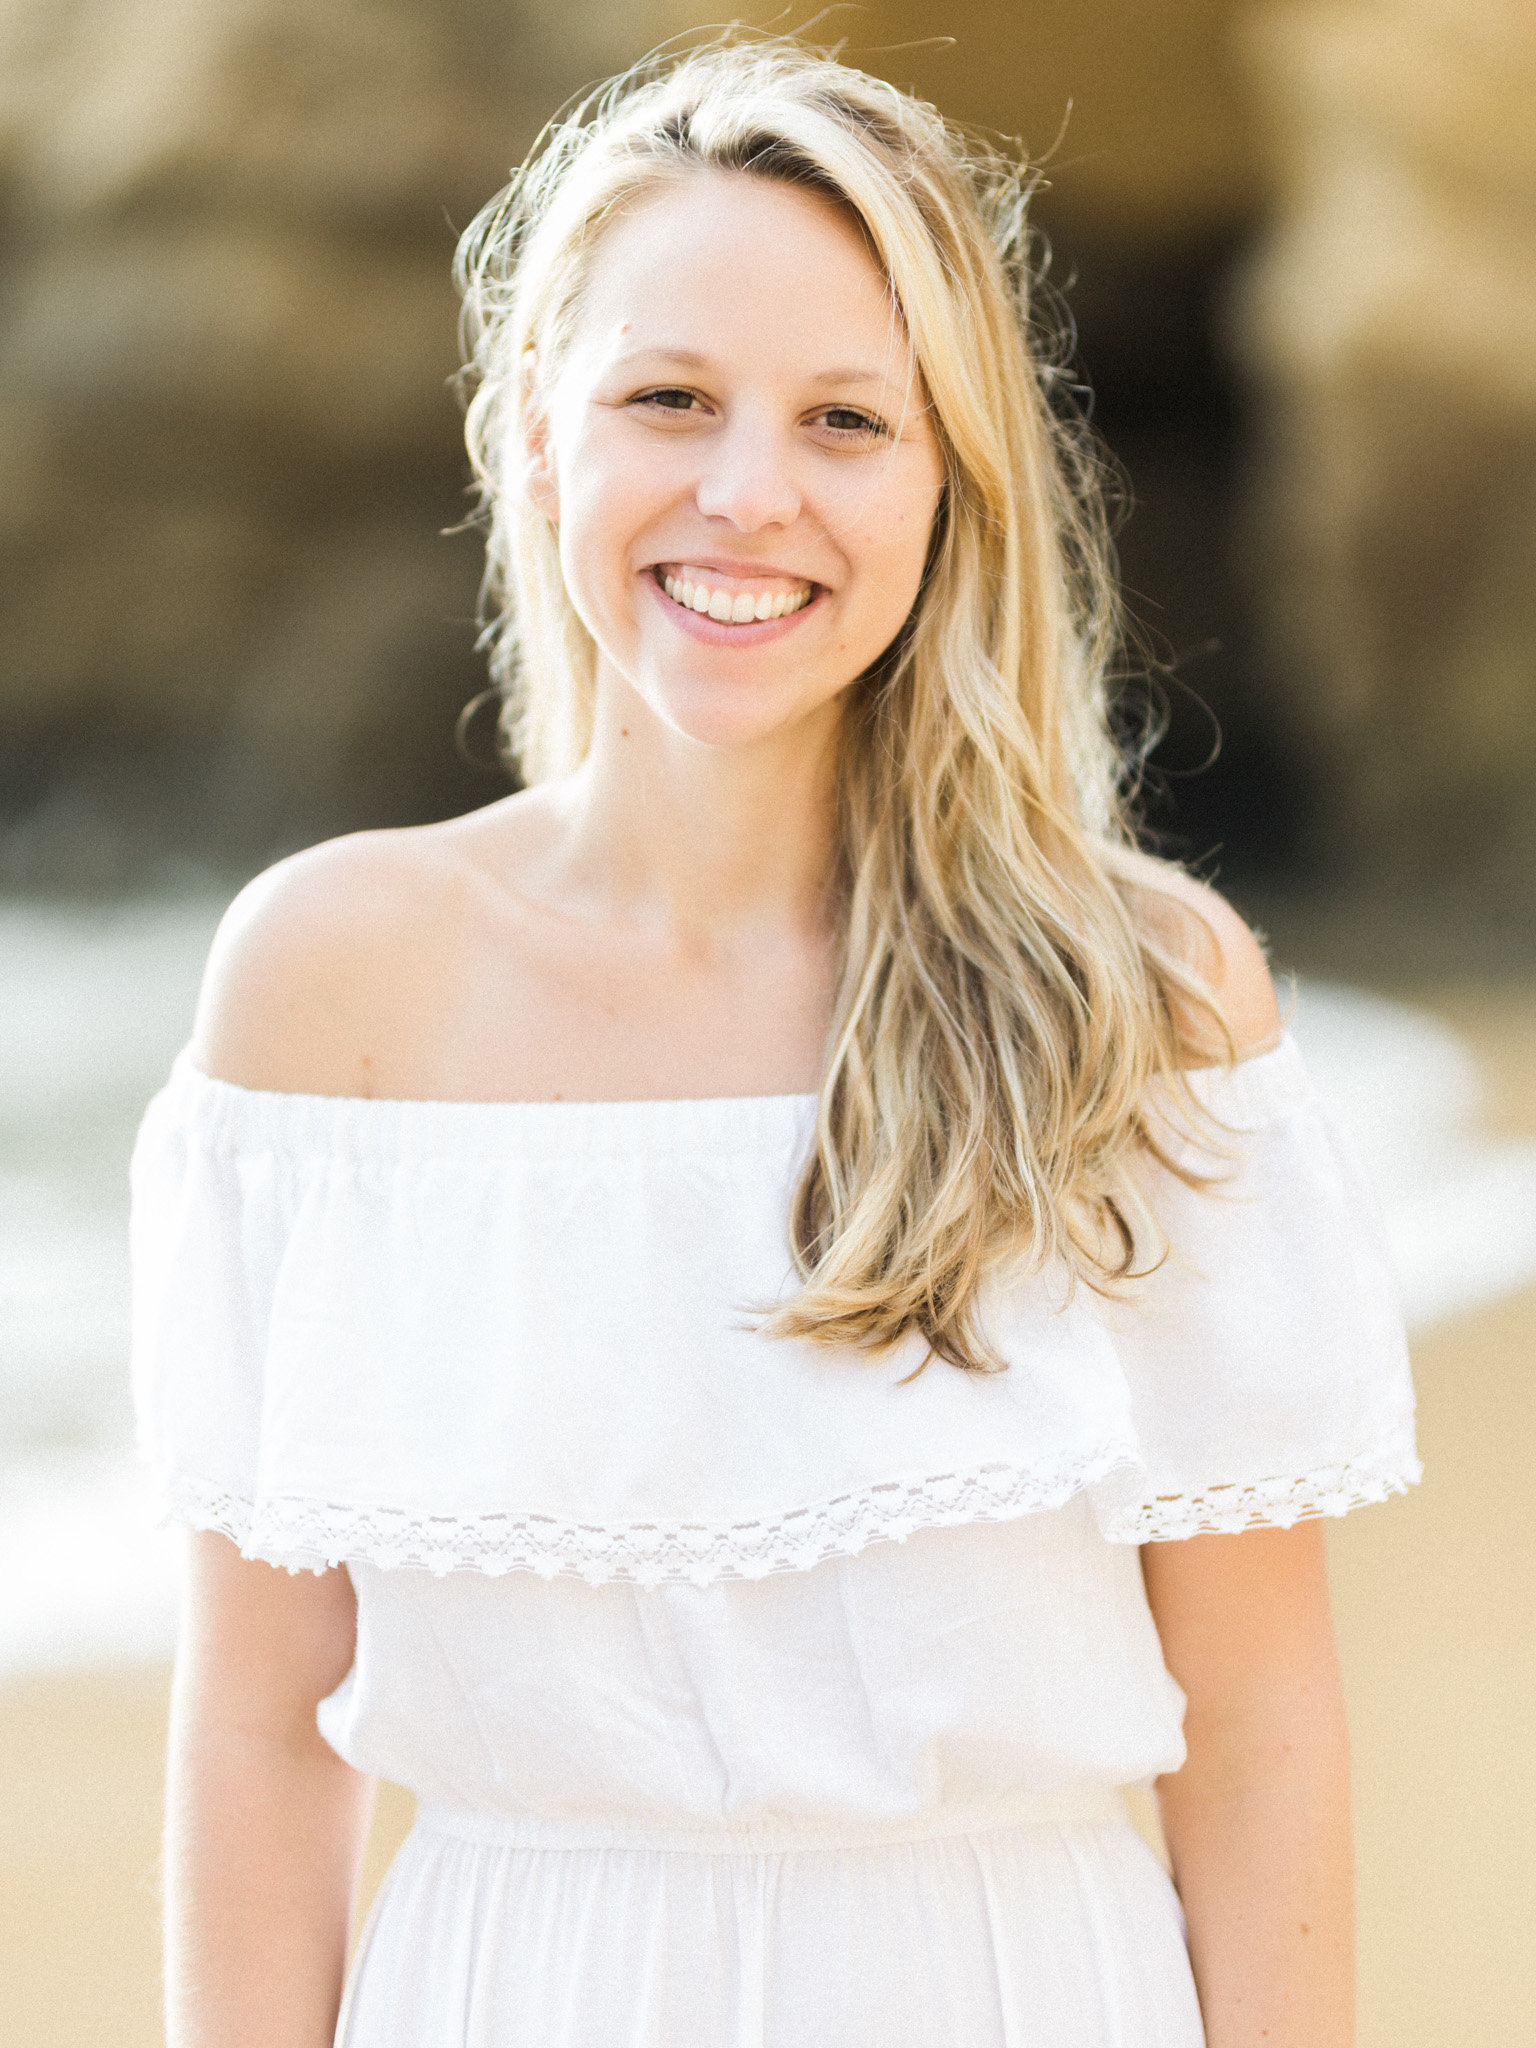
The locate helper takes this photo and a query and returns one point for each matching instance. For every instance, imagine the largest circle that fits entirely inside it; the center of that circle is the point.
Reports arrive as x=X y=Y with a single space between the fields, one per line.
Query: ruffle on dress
x=522 y=1337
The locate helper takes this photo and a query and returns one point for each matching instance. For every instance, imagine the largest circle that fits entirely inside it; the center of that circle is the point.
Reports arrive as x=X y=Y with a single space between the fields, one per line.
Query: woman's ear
x=539 y=479
x=539 y=467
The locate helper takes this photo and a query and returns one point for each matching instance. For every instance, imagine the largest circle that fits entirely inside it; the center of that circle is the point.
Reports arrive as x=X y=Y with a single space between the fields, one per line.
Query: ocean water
x=93 y=1006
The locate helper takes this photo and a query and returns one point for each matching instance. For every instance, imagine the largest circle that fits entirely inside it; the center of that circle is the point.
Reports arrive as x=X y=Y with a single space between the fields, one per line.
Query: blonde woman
x=784 y=1282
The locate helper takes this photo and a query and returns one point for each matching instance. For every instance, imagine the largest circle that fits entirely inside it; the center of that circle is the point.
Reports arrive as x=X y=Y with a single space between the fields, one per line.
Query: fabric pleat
x=1046 y=1936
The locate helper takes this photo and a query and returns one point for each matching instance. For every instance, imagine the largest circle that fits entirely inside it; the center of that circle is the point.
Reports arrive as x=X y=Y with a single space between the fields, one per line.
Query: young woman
x=784 y=1281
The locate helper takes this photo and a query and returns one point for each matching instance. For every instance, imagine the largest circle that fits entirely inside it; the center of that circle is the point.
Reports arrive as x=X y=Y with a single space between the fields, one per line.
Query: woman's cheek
x=592 y=535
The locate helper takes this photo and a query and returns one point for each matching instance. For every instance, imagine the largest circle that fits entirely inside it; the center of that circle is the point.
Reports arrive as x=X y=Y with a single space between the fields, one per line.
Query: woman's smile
x=731 y=600
x=738 y=611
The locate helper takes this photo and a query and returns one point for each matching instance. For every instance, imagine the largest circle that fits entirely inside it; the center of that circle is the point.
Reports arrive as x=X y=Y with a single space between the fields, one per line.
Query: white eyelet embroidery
x=311 y=1534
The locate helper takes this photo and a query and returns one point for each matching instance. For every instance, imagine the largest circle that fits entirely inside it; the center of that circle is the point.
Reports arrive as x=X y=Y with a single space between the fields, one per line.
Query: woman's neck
x=710 y=845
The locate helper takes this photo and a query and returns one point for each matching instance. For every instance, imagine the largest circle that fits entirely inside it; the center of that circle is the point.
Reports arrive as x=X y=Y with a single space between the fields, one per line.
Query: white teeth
x=733 y=607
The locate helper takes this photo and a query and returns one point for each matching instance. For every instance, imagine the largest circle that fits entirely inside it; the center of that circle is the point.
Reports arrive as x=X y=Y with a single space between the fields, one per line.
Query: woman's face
x=739 y=456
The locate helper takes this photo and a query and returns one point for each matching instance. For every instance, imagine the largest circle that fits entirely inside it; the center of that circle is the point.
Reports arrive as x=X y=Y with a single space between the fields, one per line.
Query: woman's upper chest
x=503 y=998
x=441 y=964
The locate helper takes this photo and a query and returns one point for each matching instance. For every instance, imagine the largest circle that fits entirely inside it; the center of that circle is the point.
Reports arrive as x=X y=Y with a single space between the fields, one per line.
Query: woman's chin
x=737 y=715
x=732 y=729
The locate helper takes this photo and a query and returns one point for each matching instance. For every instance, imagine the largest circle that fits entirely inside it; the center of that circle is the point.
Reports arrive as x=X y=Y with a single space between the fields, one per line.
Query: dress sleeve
x=1265 y=1357
x=208 y=1229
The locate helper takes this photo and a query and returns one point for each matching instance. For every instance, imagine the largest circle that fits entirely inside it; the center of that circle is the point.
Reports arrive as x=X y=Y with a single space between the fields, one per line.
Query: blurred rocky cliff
x=227 y=445
x=1389 y=322
x=228 y=451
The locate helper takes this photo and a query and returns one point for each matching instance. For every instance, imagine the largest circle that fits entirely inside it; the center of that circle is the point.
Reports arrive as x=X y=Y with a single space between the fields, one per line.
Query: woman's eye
x=843 y=419
x=844 y=422
x=668 y=399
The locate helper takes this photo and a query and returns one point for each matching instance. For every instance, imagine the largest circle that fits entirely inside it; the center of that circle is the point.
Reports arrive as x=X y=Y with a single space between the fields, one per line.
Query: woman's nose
x=749 y=478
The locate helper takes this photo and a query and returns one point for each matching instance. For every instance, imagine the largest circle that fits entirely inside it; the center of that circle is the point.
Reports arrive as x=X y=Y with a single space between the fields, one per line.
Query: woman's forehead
x=716 y=264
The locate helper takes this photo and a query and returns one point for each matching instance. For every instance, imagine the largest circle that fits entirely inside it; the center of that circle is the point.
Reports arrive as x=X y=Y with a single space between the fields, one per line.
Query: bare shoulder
x=1191 y=920
x=325 y=958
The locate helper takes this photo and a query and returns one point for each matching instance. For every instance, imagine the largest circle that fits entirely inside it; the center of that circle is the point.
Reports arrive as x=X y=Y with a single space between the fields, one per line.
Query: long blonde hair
x=1003 y=1003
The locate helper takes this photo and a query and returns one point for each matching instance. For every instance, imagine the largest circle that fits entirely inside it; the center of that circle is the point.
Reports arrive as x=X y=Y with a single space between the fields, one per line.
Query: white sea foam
x=1460 y=1207
x=93 y=1006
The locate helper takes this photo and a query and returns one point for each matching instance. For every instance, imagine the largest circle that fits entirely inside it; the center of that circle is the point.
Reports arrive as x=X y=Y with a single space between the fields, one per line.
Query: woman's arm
x=1257 y=1821
x=265 y=1825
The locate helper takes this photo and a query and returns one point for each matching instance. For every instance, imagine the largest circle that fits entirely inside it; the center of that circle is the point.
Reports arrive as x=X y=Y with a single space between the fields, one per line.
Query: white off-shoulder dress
x=753 y=1696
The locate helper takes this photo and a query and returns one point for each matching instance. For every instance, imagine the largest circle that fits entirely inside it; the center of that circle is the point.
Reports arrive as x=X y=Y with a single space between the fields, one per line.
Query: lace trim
x=312 y=1534
x=1392 y=1466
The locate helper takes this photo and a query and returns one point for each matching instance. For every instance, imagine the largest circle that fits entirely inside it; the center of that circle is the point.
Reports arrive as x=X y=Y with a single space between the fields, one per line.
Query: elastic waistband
x=778 y=1835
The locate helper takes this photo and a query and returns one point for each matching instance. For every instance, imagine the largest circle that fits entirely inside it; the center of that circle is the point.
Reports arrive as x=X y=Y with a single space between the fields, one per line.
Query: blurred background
x=1298 y=242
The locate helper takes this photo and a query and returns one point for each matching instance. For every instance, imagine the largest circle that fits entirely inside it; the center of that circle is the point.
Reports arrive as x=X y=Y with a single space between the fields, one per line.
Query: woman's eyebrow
x=690 y=359
x=685 y=358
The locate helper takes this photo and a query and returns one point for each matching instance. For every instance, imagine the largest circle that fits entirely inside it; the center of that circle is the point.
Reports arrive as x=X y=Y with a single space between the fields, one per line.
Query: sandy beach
x=1434 y=1595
